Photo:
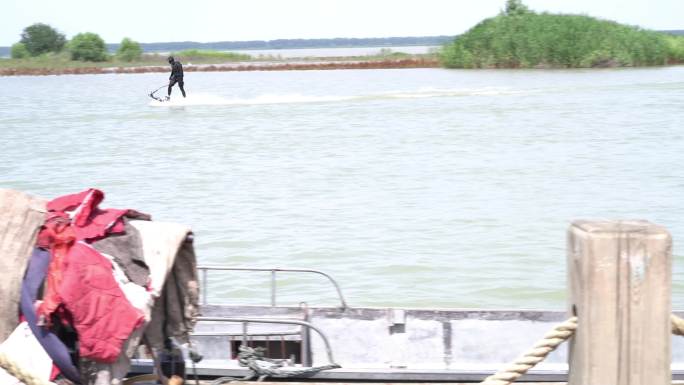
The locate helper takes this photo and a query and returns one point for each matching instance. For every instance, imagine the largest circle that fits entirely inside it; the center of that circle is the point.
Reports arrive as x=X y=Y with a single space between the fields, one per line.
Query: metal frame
x=205 y=272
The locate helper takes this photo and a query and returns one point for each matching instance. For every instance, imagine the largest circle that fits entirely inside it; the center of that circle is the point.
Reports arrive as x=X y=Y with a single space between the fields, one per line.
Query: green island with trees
x=516 y=38
x=521 y=38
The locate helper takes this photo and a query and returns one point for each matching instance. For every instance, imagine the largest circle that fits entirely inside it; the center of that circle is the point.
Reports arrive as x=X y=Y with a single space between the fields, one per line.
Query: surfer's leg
x=180 y=85
x=171 y=83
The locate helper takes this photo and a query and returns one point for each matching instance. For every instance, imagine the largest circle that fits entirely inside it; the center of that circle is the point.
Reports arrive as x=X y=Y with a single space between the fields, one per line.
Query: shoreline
x=295 y=65
x=263 y=66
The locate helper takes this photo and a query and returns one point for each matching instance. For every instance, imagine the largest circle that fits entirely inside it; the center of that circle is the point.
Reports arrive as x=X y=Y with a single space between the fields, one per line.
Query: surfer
x=176 y=75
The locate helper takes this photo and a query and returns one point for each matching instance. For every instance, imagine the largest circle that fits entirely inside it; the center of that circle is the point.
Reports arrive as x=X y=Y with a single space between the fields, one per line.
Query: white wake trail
x=198 y=99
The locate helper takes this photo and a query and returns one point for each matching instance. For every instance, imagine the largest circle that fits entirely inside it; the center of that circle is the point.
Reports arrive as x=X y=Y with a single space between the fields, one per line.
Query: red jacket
x=80 y=278
x=88 y=220
x=102 y=316
x=72 y=218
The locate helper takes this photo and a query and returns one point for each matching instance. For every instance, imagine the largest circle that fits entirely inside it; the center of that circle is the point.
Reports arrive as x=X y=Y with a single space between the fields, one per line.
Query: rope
x=677 y=325
x=228 y=380
x=266 y=367
x=19 y=373
x=535 y=355
x=140 y=378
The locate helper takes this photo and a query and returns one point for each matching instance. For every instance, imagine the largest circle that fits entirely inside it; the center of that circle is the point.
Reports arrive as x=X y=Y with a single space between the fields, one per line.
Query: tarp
x=170 y=255
x=21 y=216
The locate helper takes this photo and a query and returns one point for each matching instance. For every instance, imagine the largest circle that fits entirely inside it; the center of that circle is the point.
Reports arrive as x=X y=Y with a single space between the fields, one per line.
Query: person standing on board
x=176 y=75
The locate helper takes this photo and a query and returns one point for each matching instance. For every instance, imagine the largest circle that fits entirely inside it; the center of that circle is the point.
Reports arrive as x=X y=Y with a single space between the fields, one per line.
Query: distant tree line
x=294 y=43
x=280 y=44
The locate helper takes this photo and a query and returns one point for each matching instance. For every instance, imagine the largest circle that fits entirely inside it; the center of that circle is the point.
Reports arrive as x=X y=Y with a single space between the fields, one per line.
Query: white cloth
x=160 y=242
x=25 y=350
x=138 y=296
x=113 y=374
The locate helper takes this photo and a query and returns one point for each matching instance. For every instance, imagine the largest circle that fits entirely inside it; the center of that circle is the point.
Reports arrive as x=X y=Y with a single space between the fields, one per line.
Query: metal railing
x=205 y=272
x=244 y=321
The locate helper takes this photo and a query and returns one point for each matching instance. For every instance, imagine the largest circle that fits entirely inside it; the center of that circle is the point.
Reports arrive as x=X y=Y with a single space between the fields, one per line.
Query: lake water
x=416 y=187
x=335 y=52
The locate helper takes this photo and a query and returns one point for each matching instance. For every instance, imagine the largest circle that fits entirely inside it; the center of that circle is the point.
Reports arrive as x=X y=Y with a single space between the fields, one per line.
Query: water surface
x=336 y=52
x=413 y=187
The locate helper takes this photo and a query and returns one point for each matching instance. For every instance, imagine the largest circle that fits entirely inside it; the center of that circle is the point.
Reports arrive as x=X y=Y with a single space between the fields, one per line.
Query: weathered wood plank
x=619 y=276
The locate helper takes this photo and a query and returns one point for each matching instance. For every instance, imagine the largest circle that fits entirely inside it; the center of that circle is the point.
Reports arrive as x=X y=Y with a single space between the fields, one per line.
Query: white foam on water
x=214 y=100
x=198 y=99
x=431 y=92
x=190 y=100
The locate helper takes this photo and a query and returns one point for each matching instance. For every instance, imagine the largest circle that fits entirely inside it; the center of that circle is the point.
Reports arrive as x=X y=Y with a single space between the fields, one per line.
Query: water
x=301 y=53
x=417 y=187
x=335 y=52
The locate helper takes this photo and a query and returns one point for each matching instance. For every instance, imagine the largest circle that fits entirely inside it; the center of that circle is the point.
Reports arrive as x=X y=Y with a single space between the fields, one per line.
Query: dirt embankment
x=379 y=64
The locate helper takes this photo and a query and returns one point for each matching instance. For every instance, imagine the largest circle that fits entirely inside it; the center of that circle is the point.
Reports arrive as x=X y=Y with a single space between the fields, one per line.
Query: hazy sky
x=213 y=20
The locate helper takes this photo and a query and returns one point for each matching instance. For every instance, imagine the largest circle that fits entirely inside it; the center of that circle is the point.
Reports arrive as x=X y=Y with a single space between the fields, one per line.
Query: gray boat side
x=384 y=344
x=376 y=344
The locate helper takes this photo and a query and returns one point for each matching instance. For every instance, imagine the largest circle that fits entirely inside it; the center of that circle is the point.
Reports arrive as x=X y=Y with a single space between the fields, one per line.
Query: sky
x=148 y=21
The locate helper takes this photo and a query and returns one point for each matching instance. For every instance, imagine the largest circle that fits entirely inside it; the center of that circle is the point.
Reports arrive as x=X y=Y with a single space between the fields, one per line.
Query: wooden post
x=619 y=276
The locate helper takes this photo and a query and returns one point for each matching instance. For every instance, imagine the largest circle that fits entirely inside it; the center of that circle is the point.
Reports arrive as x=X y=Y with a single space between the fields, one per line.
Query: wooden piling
x=619 y=277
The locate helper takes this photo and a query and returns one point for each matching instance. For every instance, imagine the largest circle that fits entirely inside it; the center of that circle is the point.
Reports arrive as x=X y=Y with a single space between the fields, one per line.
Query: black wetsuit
x=176 y=77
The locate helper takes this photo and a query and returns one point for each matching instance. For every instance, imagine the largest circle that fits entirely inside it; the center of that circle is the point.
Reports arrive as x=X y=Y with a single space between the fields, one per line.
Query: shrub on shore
x=199 y=54
x=129 y=50
x=87 y=46
x=526 y=39
x=675 y=49
x=388 y=53
x=19 y=51
x=41 y=38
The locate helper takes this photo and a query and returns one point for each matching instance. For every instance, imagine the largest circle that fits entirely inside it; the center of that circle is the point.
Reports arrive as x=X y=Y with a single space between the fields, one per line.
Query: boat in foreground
x=373 y=344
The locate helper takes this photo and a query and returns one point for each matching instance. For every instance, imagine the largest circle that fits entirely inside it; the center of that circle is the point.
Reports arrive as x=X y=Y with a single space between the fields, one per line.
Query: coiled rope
x=266 y=367
x=263 y=367
x=535 y=355
x=19 y=373
x=550 y=342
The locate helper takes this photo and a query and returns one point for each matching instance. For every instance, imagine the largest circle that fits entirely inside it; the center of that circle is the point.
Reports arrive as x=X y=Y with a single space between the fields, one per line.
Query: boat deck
x=191 y=381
